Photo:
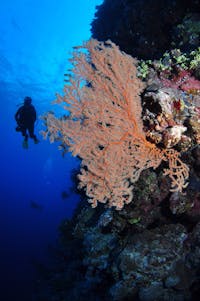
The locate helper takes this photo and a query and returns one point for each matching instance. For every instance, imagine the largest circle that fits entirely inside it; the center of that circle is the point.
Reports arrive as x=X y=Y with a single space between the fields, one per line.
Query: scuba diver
x=26 y=117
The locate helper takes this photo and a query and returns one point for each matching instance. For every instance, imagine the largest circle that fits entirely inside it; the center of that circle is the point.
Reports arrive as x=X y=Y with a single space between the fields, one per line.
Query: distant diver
x=25 y=118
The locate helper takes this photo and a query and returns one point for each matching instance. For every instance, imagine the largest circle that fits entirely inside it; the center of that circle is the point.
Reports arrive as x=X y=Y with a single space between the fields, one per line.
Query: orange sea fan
x=105 y=127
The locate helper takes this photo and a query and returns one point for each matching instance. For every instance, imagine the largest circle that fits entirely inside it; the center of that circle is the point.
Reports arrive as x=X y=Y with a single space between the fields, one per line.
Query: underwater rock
x=171 y=112
x=146 y=29
x=150 y=258
x=155 y=292
x=187 y=33
x=195 y=125
x=196 y=155
x=105 y=219
x=193 y=259
x=172 y=136
x=162 y=123
x=97 y=254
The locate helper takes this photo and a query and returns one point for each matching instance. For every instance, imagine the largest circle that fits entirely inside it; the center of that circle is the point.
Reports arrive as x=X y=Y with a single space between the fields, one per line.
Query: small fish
x=35 y=205
x=64 y=194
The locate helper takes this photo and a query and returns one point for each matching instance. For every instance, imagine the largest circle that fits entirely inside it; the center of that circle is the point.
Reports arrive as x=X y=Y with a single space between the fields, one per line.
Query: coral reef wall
x=149 y=249
x=147 y=28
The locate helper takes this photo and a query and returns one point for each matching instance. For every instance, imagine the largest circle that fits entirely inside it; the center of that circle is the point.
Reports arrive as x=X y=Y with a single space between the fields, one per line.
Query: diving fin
x=25 y=144
x=36 y=141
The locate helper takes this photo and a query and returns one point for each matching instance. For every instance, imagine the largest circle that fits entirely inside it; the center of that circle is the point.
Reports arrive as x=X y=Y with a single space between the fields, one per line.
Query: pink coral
x=105 y=127
x=184 y=81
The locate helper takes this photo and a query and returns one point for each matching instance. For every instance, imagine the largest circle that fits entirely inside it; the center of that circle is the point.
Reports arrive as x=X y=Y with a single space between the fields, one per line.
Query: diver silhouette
x=25 y=118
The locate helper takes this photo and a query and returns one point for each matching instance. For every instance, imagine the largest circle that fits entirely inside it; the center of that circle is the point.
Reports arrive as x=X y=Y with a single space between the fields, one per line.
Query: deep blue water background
x=36 y=38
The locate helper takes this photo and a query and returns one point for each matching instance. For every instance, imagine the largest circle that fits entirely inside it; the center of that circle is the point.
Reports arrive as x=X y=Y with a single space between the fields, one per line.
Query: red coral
x=177 y=105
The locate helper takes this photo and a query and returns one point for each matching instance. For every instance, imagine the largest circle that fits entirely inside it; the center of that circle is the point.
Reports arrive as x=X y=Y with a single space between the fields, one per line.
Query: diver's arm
x=17 y=115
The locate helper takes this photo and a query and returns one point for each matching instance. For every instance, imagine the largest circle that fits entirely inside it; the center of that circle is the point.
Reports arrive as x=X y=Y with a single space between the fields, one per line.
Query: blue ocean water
x=36 y=38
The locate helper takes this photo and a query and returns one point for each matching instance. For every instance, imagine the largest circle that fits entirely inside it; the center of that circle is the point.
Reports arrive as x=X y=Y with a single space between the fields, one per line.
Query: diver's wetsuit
x=26 y=117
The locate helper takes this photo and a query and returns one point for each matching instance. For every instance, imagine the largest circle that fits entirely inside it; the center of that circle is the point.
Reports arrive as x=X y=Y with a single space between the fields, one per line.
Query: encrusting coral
x=105 y=128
